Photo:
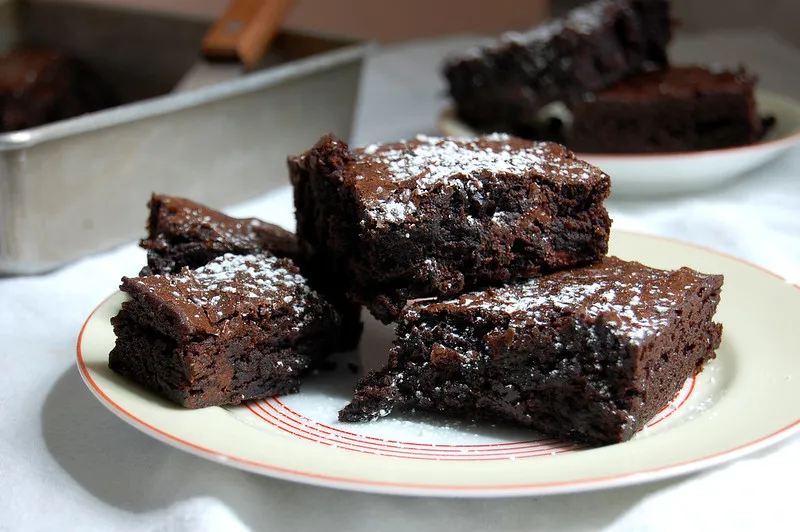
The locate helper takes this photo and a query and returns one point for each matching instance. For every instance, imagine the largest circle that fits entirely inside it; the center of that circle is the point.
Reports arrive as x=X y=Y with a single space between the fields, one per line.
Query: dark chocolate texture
x=502 y=86
x=241 y=327
x=589 y=354
x=435 y=216
x=184 y=233
x=676 y=109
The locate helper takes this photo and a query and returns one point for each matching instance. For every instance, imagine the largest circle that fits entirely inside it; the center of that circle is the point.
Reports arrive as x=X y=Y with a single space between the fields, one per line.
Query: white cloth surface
x=66 y=463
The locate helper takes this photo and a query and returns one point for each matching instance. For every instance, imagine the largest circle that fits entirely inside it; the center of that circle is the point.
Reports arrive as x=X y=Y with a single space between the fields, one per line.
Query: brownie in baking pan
x=684 y=108
x=432 y=217
x=181 y=232
x=503 y=85
x=241 y=327
x=39 y=86
x=589 y=354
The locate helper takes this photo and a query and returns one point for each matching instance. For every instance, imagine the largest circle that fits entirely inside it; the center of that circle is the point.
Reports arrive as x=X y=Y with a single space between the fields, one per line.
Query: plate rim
x=446 y=490
x=449 y=113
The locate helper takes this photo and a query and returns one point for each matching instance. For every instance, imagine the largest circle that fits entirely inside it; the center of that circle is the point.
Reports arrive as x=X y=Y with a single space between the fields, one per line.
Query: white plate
x=679 y=173
x=743 y=401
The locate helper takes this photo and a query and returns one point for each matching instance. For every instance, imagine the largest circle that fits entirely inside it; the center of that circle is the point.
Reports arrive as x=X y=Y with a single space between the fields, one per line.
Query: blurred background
x=149 y=48
x=393 y=21
x=760 y=34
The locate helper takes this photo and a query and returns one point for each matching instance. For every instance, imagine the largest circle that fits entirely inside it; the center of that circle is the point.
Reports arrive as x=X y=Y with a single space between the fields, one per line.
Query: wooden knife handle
x=245 y=30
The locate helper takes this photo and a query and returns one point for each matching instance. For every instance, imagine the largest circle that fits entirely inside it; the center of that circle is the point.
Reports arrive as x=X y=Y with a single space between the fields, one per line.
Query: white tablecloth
x=66 y=463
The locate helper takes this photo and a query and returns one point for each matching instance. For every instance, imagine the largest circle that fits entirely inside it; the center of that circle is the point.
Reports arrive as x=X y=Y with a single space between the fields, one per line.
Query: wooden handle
x=245 y=30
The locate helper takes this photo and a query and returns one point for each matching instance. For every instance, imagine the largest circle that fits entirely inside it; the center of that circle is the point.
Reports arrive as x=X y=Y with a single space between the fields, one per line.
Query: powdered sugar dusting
x=235 y=284
x=582 y=20
x=635 y=302
x=393 y=211
x=247 y=273
x=428 y=164
x=232 y=232
x=588 y=18
x=432 y=161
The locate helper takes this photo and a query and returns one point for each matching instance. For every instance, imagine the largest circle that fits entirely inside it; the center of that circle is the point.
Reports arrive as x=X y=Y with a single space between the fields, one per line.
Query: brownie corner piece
x=431 y=216
x=589 y=354
x=241 y=327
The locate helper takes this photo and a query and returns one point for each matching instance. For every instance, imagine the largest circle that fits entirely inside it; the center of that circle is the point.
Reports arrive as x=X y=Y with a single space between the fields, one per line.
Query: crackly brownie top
x=391 y=178
x=248 y=286
x=686 y=81
x=635 y=300
x=582 y=20
x=178 y=221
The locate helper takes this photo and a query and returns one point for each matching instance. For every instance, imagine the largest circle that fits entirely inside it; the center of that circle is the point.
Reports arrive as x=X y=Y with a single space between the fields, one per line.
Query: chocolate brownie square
x=241 y=327
x=432 y=217
x=589 y=354
x=502 y=86
x=39 y=86
x=184 y=233
x=676 y=109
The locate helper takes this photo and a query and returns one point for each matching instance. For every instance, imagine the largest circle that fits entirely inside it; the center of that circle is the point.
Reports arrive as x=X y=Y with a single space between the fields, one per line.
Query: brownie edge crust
x=590 y=354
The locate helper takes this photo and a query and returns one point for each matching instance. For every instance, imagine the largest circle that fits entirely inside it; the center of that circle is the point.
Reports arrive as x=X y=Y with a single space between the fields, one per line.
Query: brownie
x=39 y=86
x=502 y=86
x=670 y=110
x=432 y=217
x=241 y=327
x=184 y=233
x=589 y=354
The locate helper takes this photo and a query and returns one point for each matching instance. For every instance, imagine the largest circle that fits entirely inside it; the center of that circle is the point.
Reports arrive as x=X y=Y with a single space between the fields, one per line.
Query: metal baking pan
x=80 y=186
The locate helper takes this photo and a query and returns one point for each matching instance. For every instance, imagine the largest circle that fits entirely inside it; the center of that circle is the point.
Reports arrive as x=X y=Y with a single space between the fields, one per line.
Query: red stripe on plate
x=304 y=430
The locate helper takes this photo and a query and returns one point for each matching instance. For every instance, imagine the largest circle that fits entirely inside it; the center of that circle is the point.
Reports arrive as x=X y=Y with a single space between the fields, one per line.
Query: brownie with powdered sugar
x=432 y=217
x=589 y=354
x=504 y=84
x=241 y=327
x=181 y=232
